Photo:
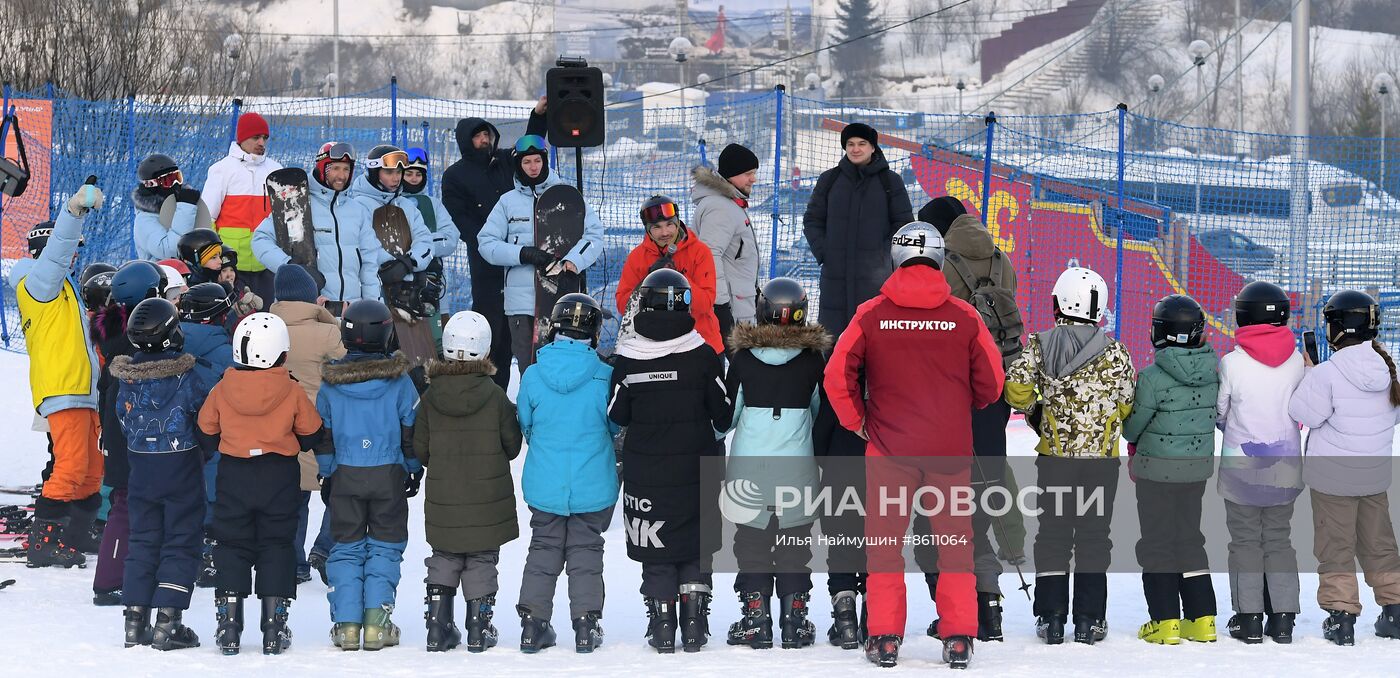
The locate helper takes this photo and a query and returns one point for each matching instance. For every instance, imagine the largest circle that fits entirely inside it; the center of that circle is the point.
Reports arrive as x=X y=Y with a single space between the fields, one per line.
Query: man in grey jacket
x=721 y=221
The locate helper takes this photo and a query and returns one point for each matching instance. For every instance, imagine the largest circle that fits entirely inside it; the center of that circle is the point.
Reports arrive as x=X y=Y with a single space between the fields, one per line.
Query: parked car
x=1237 y=251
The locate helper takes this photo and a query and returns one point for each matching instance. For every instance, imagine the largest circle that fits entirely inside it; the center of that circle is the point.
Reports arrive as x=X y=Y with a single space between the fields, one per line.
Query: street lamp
x=679 y=50
x=1198 y=49
x=233 y=46
x=961 y=86
x=812 y=81
x=1382 y=85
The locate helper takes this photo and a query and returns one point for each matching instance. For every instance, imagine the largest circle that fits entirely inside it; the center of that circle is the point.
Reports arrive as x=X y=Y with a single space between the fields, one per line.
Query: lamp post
x=1198 y=49
x=233 y=49
x=1382 y=85
x=680 y=51
x=961 y=86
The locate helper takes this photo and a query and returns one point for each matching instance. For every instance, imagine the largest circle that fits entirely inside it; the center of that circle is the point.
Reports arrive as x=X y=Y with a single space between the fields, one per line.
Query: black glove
x=411 y=483
x=535 y=256
x=187 y=195
x=318 y=277
x=395 y=270
x=568 y=283
x=325 y=488
x=666 y=261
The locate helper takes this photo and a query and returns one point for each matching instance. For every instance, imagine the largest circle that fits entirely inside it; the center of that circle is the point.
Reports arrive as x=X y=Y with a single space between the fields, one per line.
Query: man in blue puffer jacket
x=347 y=252
x=570 y=479
x=367 y=404
x=508 y=239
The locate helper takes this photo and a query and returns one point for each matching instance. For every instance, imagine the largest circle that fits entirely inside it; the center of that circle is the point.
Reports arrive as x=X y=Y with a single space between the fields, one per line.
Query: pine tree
x=858 y=62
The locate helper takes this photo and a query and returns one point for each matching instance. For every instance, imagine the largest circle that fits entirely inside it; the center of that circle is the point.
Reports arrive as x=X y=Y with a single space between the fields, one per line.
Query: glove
x=412 y=482
x=535 y=256
x=88 y=197
x=187 y=195
x=318 y=277
x=248 y=303
x=664 y=262
x=568 y=283
x=325 y=488
x=395 y=270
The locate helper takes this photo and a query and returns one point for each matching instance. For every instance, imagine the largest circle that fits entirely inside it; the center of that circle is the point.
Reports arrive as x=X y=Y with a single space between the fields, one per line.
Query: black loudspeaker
x=575 y=113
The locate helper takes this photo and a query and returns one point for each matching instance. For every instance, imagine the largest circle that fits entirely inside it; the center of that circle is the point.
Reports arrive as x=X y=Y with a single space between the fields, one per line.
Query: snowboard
x=202 y=219
x=414 y=334
x=289 y=196
x=559 y=214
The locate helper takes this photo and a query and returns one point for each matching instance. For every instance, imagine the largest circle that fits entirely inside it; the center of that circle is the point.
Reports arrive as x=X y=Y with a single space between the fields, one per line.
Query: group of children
x=186 y=381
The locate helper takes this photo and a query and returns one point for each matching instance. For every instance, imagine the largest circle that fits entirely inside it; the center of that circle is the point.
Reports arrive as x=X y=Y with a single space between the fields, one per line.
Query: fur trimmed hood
x=125 y=368
x=447 y=368
x=357 y=371
x=709 y=179
x=801 y=337
x=146 y=201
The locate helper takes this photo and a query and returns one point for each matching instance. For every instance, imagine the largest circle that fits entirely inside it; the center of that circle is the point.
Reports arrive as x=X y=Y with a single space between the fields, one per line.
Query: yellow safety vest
x=59 y=364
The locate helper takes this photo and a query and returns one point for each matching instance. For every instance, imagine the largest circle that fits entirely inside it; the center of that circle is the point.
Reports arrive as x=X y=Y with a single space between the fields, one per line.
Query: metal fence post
x=700 y=145
x=393 y=110
x=234 y=110
x=991 y=121
x=4 y=134
x=1120 y=222
x=131 y=156
x=778 y=92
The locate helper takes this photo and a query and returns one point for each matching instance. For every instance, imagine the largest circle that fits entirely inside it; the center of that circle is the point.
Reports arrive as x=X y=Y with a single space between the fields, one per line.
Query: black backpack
x=996 y=304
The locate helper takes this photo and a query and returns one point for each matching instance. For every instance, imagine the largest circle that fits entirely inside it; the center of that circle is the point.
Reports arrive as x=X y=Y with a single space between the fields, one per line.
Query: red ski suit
x=910 y=369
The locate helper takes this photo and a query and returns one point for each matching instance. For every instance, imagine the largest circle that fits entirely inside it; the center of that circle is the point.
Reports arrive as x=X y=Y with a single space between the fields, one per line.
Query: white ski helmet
x=1081 y=294
x=917 y=242
x=175 y=285
x=467 y=336
x=261 y=341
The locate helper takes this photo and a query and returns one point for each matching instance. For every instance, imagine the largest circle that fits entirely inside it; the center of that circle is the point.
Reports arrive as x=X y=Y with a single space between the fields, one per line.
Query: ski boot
x=989 y=617
x=205 y=580
x=346 y=636
x=1088 y=630
x=228 y=612
x=588 y=633
x=317 y=561
x=1340 y=628
x=1388 y=623
x=957 y=652
x=1199 y=630
x=379 y=631
x=797 y=630
x=1050 y=628
x=535 y=634
x=755 y=629
x=46 y=547
x=277 y=637
x=481 y=633
x=107 y=598
x=138 y=625
x=661 y=625
x=1164 y=632
x=1279 y=626
x=443 y=634
x=170 y=632
x=883 y=651
x=694 y=616
x=78 y=533
x=845 y=622
x=1247 y=628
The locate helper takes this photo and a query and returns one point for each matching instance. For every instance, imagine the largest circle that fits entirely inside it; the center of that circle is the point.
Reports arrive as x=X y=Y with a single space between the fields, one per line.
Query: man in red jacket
x=927 y=361
x=669 y=244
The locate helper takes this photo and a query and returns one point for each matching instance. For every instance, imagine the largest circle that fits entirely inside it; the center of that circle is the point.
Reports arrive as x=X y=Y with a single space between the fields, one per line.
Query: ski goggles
x=417 y=159
x=529 y=142
x=656 y=213
x=336 y=151
x=390 y=160
x=167 y=180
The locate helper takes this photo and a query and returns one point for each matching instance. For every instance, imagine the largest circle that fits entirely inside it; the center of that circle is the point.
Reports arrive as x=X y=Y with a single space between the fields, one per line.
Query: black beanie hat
x=735 y=160
x=941 y=212
x=860 y=130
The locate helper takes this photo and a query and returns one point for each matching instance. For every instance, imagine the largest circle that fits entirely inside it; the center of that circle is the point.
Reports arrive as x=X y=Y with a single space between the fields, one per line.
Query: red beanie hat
x=250 y=125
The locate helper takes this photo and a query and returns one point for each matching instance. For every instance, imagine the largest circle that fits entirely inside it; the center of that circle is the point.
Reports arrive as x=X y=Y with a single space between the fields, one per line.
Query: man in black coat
x=470 y=188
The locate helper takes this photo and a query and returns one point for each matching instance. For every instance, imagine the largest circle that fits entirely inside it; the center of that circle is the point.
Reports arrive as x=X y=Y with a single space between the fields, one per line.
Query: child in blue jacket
x=570 y=478
x=158 y=399
x=367 y=403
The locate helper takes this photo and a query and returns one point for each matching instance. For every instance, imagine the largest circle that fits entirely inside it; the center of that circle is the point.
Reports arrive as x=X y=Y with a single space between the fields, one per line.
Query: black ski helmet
x=135 y=281
x=530 y=144
x=1351 y=315
x=152 y=168
x=199 y=246
x=664 y=289
x=576 y=316
x=154 y=327
x=368 y=326
x=206 y=303
x=93 y=269
x=783 y=301
x=1262 y=303
x=659 y=208
x=97 y=289
x=1177 y=320
x=39 y=237
x=384 y=156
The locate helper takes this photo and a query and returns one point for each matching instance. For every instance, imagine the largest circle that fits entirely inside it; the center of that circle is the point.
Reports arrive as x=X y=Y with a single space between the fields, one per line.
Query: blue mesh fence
x=1154 y=206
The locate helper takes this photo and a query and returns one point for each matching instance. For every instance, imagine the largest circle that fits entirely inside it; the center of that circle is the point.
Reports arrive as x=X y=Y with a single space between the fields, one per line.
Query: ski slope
x=49 y=624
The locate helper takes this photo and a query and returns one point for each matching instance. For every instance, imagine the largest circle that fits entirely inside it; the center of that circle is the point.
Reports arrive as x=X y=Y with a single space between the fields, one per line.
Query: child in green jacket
x=1172 y=441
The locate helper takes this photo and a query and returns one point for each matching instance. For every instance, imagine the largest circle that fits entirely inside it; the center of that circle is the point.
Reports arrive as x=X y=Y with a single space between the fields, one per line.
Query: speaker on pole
x=576 y=97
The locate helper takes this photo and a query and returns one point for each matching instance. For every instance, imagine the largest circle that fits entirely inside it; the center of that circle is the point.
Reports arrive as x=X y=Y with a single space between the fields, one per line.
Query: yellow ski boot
x=1165 y=632
x=1199 y=630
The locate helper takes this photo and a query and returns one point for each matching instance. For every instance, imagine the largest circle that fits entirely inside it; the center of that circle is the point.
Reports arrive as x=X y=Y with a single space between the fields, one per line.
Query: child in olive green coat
x=1171 y=436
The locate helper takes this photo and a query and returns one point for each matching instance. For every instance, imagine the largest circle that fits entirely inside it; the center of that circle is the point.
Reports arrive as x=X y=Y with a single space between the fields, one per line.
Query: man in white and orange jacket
x=237 y=200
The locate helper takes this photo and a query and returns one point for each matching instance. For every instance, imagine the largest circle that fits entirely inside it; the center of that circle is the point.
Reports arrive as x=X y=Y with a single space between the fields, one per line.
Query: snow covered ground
x=47 y=620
